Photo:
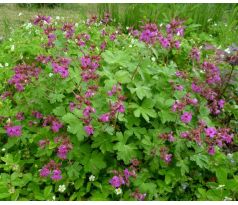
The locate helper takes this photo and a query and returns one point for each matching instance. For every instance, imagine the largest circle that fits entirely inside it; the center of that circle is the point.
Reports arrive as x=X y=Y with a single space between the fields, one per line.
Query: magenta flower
x=105 y=117
x=211 y=150
x=210 y=132
x=62 y=152
x=186 y=117
x=20 y=116
x=44 y=172
x=89 y=129
x=14 y=131
x=167 y=158
x=56 y=126
x=117 y=181
x=221 y=103
x=56 y=176
x=185 y=134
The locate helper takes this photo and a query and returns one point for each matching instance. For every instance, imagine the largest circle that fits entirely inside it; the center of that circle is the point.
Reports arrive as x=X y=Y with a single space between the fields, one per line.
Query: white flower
x=76 y=25
x=20 y=14
x=228 y=50
x=1 y=66
x=10 y=39
x=153 y=59
x=130 y=46
x=12 y=48
x=227 y=198
x=127 y=28
x=91 y=178
x=53 y=198
x=57 y=18
x=220 y=186
x=61 y=188
x=28 y=26
x=8 y=120
x=51 y=74
x=209 y=20
x=118 y=191
x=3 y=149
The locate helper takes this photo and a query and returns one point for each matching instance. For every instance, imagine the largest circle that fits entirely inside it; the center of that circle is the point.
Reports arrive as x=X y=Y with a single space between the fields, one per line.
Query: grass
x=9 y=14
x=130 y=15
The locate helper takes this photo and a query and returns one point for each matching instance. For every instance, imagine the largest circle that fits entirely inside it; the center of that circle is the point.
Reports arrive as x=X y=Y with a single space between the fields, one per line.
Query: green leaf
x=125 y=152
x=183 y=166
x=123 y=76
x=56 y=97
x=75 y=125
x=95 y=163
x=221 y=174
x=201 y=160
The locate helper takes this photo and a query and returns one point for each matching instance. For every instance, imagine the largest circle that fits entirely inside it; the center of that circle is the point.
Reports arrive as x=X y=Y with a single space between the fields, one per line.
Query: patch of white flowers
x=118 y=191
x=91 y=178
x=61 y=188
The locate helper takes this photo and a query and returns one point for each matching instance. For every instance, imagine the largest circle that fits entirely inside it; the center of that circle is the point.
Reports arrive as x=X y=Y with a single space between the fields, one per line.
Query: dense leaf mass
x=88 y=112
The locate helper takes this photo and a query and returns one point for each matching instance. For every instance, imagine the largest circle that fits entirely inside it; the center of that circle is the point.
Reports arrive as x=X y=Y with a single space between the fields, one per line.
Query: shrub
x=91 y=113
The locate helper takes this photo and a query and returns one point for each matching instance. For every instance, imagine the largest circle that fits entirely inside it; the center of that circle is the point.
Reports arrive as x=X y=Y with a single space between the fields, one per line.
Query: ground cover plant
x=88 y=112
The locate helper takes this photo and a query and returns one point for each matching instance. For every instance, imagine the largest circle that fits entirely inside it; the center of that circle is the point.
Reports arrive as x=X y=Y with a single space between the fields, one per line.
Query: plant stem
x=227 y=82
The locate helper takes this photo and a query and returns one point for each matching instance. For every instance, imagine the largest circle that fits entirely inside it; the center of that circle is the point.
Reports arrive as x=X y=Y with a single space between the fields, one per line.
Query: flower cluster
x=89 y=65
x=213 y=136
x=195 y=54
x=53 y=169
x=53 y=122
x=41 y=20
x=164 y=155
x=138 y=196
x=212 y=73
x=149 y=33
x=116 y=107
x=122 y=178
x=13 y=131
x=24 y=75
x=215 y=104
x=82 y=39
x=64 y=148
x=60 y=66
x=68 y=28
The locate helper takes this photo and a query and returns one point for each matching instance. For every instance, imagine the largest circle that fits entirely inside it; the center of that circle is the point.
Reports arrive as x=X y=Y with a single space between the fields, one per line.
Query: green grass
x=131 y=15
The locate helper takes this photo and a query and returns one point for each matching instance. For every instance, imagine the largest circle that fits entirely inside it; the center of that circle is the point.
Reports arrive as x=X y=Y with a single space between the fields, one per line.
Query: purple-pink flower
x=14 y=131
x=186 y=117
x=210 y=131
x=44 y=172
x=105 y=117
x=117 y=181
x=89 y=129
x=56 y=176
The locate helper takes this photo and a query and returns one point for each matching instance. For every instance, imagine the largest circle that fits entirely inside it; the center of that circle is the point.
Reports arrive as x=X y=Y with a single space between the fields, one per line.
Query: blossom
x=211 y=150
x=105 y=117
x=186 y=117
x=116 y=181
x=118 y=191
x=91 y=178
x=167 y=158
x=210 y=132
x=56 y=126
x=56 y=175
x=61 y=188
x=20 y=116
x=14 y=131
x=62 y=151
x=89 y=129
x=44 y=172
